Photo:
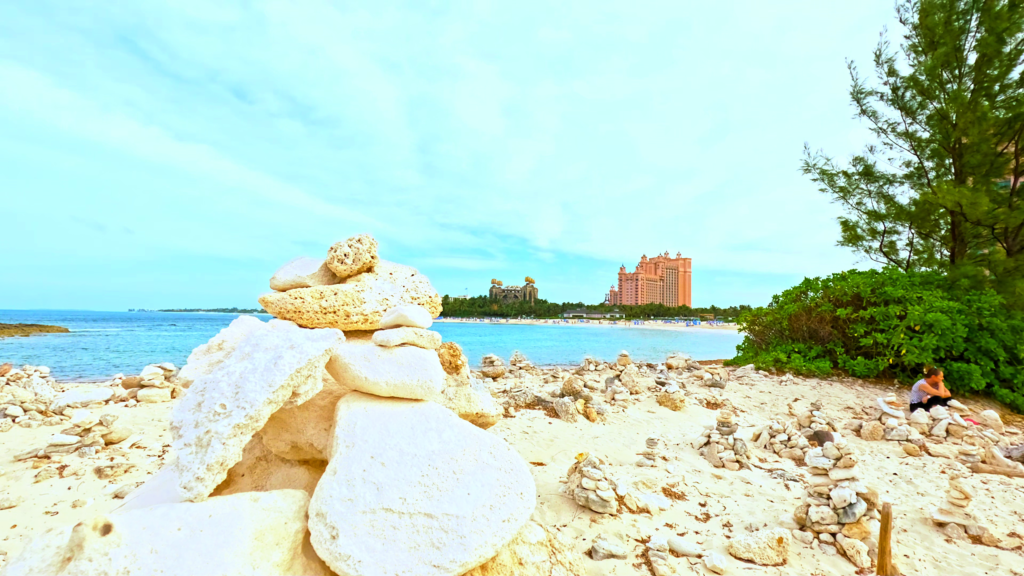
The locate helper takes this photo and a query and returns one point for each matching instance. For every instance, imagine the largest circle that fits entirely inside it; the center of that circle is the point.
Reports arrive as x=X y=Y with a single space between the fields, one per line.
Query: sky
x=174 y=154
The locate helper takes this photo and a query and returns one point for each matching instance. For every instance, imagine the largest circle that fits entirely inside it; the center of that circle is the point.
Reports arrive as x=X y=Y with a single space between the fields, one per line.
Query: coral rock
x=765 y=548
x=353 y=256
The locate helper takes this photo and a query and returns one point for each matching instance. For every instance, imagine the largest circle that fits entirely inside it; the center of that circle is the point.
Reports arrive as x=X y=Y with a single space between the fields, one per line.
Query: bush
x=890 y=323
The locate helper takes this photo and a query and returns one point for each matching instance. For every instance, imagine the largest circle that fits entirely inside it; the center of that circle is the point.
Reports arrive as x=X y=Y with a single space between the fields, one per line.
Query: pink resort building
x=659 y=280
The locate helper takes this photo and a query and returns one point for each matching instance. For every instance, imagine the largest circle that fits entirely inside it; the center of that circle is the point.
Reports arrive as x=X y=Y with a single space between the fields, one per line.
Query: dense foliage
x=942 y=188
x=891 y=323
x=484 y=307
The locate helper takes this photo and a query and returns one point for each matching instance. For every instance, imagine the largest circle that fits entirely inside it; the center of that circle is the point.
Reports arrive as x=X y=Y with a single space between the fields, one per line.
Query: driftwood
x=986 y=469
x=884 y=566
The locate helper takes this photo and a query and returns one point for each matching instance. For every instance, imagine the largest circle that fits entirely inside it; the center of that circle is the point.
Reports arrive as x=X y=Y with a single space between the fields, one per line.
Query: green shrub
x=890 y=323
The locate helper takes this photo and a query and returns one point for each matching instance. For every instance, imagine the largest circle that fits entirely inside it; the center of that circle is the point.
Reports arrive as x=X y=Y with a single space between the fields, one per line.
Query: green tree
x=941 y=188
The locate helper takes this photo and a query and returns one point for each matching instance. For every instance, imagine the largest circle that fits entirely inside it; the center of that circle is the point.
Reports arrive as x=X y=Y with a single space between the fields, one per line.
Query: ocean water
x=102 y=344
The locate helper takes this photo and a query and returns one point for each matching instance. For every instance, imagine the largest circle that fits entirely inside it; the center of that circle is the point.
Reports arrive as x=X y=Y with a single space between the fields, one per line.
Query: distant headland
x=9 y=330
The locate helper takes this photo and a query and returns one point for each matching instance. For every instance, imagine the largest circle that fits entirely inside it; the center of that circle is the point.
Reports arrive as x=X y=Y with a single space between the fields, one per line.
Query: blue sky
x=174 y=154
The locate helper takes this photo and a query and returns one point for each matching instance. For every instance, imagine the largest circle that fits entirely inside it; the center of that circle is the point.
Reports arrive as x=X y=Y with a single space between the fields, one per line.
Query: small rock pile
x=652 y=454
x=792 y=440
x=720 y=446
x=590 y=484
x=956 y=520
x=321 y=427
x=838 y=509
x=492 y=367
x=87 y=434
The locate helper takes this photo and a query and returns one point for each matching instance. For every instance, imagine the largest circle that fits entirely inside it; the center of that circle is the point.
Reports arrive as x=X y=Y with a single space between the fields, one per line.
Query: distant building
x=591 y=314
x=525 y=293
x=463 y=297
x=659 y=280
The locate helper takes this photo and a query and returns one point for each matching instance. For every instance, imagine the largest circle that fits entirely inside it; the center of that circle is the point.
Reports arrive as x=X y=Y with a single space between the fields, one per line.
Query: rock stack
x=590 y=483
x=296 y=418
x=838 y=508
x=492 y=367
x=940 y=432
x=720 y=446
x=623 y=359
x=792 y=440
x=652 y=454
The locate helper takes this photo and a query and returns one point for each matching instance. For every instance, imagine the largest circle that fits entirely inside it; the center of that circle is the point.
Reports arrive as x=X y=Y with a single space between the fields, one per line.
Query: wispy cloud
x=519 y=138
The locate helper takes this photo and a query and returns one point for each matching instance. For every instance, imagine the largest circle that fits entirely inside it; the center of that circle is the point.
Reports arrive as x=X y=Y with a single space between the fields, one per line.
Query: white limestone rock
x=407 y=315
x=991 y=419
x=276 y=365
x=302 y=272
x=359 y=302
x=260 y=470
x=206 y=357
x=403 y=372
x=451 y=494
x=304 y=432
x=250 y=533
x=765 y=547
x=80 y=396
x=153 y=395
x=474 y=404
x=353 y=256
x=535 y=551
x=427 y=339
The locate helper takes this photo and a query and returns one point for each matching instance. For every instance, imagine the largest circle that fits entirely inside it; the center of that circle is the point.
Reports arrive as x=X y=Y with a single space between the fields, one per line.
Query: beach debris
x=658 y=557
x=606 y=546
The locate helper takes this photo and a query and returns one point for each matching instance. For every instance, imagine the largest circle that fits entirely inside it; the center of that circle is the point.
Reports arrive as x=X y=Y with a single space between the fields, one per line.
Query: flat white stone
x=403 y=372
x=303 y=272
x=411 y=472
x=427 y=339
x=250 y=533
x=411 y=315
x=81 y=396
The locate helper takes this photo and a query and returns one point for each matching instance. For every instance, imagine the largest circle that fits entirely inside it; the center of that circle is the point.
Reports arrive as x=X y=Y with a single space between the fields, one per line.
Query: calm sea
x=102 y=344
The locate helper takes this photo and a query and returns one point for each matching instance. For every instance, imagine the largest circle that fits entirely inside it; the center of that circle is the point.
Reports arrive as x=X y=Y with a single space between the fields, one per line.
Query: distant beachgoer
x=931 y=391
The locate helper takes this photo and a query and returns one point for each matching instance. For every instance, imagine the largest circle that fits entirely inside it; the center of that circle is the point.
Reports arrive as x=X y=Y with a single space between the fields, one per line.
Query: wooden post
x=884 y=565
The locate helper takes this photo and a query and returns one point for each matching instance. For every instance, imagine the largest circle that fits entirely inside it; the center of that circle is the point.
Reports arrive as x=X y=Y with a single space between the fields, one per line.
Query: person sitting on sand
x=931 y=391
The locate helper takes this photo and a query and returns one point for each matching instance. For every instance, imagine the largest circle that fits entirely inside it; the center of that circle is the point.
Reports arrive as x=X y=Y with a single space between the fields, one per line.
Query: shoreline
x=644 y=324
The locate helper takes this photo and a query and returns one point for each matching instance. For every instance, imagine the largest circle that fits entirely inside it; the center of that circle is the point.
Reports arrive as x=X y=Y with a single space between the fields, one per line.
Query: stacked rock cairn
x=792 y=440
x=590 y=483
x=940 y=432
x=321 y=426
x=838 y=510
x=955 y=518
x=720 y=446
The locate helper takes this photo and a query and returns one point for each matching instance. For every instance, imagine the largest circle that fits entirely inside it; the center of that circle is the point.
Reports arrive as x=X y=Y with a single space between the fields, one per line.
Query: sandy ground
x=716 y=504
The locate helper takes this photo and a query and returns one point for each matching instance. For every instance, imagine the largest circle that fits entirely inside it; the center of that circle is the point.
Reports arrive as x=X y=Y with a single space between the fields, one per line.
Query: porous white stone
x=418 y=337
x=452 y=494
x=765 y=547
x=403 y=372
x=473 y=403
x=205 y=357
x=353 y=256
x=359 y=302
x=302 y=272
x=407 y=315
x=153 y=395
x=303 y=432
x=250 y=533
x=276 y=365
x=80 y=396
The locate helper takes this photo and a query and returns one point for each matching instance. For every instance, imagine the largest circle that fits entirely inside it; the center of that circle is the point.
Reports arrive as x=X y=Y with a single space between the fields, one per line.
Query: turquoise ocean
x=102 y=344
